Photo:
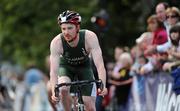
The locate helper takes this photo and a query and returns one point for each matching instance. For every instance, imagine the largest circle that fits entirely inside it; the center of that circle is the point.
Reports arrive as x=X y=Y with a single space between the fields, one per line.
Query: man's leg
x=65 y=93
x=89 y=102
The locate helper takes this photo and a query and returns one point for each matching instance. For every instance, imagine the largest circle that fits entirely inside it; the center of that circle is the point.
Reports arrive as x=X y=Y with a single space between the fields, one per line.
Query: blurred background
x=28 y=26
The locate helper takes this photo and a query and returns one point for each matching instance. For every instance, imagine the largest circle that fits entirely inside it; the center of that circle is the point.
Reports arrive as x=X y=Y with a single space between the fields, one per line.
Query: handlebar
x=78 y=83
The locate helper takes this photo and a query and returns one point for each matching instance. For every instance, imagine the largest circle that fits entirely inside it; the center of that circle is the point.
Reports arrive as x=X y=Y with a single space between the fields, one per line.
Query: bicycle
x=80 y=104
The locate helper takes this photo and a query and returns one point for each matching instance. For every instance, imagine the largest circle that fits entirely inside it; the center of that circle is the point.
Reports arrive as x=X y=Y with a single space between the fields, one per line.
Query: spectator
x=161 y=12
x=174 y=51
x=117 y=52
x=161 y=15
x=142 y=65
x=174 y=58
x=159 y=37
x=36 y=88
x=173 y=16
x=122 y=80
x=157 y=28
x=109 y=98
x=144 y=40
x=159 y=33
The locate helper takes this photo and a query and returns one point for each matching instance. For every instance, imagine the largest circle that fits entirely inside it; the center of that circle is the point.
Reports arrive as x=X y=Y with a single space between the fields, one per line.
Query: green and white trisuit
x=75 y=62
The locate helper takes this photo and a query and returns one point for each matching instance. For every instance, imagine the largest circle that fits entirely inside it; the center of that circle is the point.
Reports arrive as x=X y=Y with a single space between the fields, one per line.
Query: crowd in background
x=156 y=50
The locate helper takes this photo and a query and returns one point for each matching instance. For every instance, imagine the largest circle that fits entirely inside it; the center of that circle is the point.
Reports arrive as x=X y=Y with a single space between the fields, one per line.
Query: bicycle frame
x=79 y=94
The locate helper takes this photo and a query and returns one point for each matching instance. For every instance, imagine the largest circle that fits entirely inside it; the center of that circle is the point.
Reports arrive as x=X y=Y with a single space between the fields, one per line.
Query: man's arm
x=55 y=51
x=96 y=52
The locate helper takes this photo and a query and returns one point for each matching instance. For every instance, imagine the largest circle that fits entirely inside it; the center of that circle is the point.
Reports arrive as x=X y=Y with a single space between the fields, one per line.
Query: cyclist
x=69 y=57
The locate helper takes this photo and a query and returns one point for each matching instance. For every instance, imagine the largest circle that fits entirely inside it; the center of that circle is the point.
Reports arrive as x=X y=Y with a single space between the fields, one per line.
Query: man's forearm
x=102 y=76
x=53 y=79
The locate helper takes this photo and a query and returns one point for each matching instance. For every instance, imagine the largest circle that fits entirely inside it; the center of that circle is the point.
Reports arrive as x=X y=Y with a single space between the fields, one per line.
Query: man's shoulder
x=56 y=39
x=87 y=31
x=89 y=34
x=91 y=38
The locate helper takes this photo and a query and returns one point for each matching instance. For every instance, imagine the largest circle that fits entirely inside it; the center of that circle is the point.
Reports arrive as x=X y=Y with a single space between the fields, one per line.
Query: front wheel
x=81 y=107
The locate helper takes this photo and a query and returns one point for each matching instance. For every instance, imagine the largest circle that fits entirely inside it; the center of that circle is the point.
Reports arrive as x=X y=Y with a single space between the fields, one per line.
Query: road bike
x=78 y=93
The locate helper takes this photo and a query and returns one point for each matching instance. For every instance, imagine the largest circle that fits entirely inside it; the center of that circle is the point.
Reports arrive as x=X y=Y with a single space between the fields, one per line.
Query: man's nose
x=66 y=31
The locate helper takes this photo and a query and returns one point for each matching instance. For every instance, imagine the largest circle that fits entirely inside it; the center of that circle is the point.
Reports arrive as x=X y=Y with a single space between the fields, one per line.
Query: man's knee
x=65 y=91
x=89 y=103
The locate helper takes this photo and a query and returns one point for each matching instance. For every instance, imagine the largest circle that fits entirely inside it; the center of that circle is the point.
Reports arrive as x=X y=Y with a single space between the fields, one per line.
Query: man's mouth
x=67 y=36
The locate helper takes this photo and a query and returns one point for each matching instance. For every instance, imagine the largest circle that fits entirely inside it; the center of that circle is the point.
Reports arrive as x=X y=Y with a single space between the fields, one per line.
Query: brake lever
x=100 y=84
x=56 y=90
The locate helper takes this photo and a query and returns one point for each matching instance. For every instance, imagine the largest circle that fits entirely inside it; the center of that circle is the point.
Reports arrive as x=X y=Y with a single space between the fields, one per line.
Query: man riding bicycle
x=69 y=58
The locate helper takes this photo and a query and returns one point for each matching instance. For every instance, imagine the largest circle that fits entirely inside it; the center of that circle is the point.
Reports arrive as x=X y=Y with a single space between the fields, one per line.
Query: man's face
x=161 y=12
x=69 y=31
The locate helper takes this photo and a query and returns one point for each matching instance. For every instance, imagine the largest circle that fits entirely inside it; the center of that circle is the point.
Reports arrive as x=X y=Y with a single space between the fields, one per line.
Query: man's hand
x=54 y=98
x=102 y=92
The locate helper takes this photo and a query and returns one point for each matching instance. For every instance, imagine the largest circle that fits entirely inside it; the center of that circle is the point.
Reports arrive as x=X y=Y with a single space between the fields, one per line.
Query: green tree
x=28 y=26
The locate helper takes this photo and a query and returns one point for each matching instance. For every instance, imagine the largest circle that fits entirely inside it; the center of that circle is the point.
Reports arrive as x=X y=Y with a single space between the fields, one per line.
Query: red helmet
x=69 y=17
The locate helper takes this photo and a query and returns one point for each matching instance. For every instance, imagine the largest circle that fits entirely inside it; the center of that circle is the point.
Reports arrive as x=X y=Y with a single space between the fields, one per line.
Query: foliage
x=28 y=26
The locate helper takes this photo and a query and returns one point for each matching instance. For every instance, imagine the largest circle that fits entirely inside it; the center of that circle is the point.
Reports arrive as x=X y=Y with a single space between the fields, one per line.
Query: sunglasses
x=172 y=16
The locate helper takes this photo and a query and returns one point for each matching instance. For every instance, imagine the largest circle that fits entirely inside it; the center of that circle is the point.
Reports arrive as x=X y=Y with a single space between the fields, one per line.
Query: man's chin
x=68 y=40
